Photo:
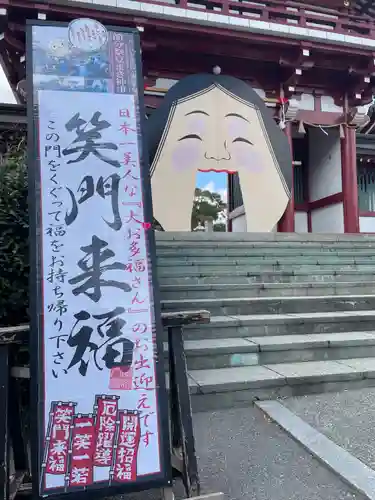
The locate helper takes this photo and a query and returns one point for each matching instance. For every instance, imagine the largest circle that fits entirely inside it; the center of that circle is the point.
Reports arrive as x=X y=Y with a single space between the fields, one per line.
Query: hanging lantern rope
x=282 y=120
x=341 y=126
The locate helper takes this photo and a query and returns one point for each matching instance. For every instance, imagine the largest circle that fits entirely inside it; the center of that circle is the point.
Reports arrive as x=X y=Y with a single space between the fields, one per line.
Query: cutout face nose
x=218 y=153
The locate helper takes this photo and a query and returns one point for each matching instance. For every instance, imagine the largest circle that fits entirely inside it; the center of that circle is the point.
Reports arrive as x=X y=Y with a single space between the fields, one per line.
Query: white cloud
x=222 y=216
x=212 y=188
x=209 y=187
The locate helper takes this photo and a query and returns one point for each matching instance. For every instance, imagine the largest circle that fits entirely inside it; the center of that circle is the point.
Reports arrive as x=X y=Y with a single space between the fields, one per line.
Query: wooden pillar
x=286 y=223
x=349 y=181
x=229 y=201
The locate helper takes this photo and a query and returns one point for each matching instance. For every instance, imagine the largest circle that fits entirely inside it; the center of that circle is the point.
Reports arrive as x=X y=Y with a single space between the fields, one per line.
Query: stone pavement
x=347 y=418
x=247 y=457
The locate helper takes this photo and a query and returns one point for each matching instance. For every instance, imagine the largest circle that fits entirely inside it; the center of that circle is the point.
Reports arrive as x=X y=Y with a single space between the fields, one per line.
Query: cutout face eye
x=243 y=140
x=190 y=136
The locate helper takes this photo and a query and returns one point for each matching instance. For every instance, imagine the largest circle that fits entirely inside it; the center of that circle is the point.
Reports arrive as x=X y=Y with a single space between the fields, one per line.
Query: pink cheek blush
x=244 y=155
x=186 y=155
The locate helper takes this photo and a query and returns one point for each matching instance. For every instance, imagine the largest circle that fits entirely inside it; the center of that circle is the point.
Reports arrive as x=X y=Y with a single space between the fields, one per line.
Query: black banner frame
x=164 y=478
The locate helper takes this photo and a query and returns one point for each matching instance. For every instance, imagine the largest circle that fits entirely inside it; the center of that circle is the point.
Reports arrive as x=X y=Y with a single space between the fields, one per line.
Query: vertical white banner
x=97 y=295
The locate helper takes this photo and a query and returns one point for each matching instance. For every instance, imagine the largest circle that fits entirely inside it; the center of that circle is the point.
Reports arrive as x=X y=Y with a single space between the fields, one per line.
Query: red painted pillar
x=286 y=223
x=349 y=181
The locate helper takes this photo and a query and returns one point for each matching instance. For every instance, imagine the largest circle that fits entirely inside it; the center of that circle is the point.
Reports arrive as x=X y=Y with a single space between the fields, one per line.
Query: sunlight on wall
x=6 y=94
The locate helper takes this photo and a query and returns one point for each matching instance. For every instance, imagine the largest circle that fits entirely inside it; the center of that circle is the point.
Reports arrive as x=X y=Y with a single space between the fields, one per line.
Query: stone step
x=225 y=353
x=230 y=387
x=274 y=305
x=234 y=247
x=229 y=290
x=257 y=325
x=253 y=276
x=204 y=269
x=202 y=264
x=242 y=252
x=169 y=237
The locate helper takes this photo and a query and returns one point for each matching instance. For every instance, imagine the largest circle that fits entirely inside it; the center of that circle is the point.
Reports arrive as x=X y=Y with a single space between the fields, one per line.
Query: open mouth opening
x=217 y=170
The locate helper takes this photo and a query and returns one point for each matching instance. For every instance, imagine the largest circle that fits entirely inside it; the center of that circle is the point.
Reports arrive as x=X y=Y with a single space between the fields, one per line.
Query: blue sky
x=213 y=182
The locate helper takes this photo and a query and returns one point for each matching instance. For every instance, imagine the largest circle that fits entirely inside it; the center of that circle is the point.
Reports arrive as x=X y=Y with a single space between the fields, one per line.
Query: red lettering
x=141 y=363
x=140 y=266
x=139 y=328
x=143 y=382
x=146 y=437
x=135 y=299
x=136 y=282
x=129 y=174
x=127 y=158
x=126 y=128
x=142 y=403
x=124 y=113
x=134 y=249
x=133 y=217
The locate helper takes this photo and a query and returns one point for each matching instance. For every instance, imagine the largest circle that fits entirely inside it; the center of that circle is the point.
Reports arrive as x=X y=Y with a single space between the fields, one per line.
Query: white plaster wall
x=300 y=222
x=367 y=224
x=260 y=93
x=165 y=83
x=325 y=163
x=363 y=109
x=328 y=219
x=303 y=101
x=328 y=104
x=239 y=224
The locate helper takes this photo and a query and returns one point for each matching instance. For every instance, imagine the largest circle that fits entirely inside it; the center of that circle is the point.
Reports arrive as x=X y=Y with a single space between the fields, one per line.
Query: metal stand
x=184 y=459
x=4 y=431
x=13 y=457
x=182 y=434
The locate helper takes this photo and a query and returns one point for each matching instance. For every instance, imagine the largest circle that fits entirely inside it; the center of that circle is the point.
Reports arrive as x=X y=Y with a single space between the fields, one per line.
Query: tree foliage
x=14 y=237
x=207 y=204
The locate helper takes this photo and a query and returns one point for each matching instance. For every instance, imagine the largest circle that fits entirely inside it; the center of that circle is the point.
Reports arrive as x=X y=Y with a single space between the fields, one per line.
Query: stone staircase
x=291 y=314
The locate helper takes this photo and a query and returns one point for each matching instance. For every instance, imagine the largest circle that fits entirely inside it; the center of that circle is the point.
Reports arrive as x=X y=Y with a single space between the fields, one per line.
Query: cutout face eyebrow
x=197 y=112
x=236 y=115
x=242 y=139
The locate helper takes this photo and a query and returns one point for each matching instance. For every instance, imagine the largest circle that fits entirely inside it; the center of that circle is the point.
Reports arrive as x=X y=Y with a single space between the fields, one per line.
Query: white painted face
x=59 y=48
x=215 y=131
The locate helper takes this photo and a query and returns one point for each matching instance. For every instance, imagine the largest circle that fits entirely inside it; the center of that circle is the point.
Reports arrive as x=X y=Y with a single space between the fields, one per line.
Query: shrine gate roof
x=327 y=47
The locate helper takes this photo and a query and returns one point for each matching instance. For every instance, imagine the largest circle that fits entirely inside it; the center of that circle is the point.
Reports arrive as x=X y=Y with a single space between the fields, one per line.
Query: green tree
x=220 y=227
x=14 y=237
x=207 y=204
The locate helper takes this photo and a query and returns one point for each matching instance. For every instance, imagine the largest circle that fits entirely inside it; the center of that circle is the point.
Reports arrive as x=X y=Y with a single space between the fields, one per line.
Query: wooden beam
x=335 y=4
x=14 y=334
x=19 y=334
x=180 y=318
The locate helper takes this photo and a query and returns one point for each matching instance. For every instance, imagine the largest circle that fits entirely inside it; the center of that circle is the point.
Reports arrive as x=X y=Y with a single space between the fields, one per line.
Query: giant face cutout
x=215 y=129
